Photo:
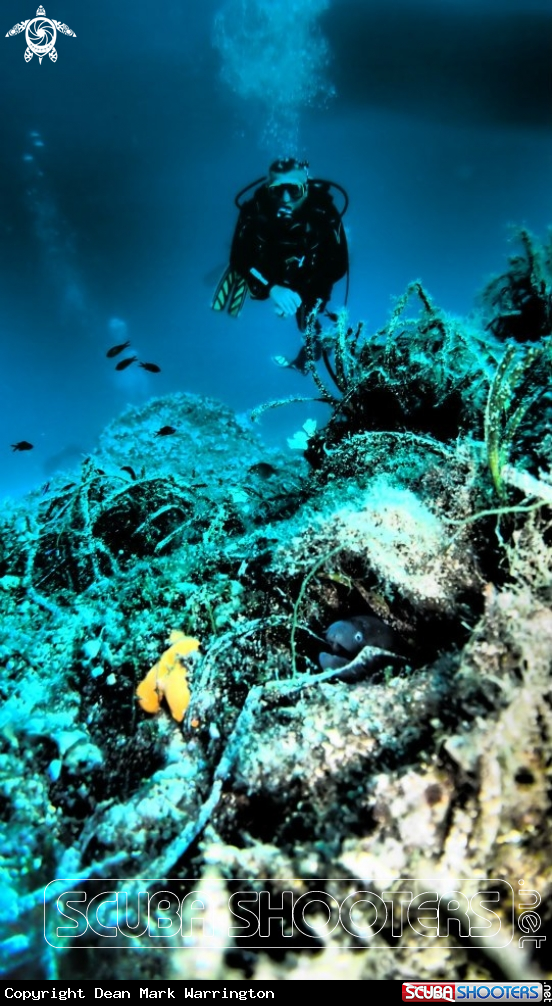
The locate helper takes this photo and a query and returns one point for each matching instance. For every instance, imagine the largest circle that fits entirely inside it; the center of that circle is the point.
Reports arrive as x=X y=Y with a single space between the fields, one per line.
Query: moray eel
x=347 y=638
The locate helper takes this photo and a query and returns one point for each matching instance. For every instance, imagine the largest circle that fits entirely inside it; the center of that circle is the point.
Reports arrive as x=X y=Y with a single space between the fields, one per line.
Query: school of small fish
x=123 y=364
x=152 y=368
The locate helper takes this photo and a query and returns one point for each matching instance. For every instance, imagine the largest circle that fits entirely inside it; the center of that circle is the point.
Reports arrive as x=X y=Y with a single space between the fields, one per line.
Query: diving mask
x=287 y=182
x=294 y=190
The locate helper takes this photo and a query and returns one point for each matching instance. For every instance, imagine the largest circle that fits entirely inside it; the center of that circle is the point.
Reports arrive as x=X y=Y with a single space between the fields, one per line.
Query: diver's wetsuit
x=305 y=250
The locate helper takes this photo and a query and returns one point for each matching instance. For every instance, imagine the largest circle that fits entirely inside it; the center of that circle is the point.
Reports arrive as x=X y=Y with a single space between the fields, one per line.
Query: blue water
x=117 y=214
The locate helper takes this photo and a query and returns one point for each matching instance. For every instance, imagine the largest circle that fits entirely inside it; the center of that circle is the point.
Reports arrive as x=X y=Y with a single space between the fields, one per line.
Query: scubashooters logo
x=40 y=34
x=528 y=920
x=454 y=992
x=179 y=912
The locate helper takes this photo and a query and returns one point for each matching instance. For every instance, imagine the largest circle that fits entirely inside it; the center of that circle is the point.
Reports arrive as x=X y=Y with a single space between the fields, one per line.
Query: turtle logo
x=40 y=33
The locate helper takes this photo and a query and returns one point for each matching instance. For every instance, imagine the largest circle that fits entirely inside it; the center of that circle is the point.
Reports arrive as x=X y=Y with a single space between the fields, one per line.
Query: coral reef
x=424 y=501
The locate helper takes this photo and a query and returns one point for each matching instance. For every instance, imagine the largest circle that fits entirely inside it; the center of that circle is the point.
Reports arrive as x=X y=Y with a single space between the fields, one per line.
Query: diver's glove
x=286 y=301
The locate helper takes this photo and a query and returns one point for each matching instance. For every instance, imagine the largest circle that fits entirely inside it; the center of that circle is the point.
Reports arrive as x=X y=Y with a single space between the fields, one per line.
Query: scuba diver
x=289 y=246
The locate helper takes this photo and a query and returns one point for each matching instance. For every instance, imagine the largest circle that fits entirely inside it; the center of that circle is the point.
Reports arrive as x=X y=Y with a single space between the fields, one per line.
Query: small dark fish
x=332 y=316
x=22 y=445
x=347 y=638
x=45 y=488
x=165 y=430
x=115 y=350
x=152 y=367
x=126 y=363
x=131 y=472
x=263 y=469
x=68 y=486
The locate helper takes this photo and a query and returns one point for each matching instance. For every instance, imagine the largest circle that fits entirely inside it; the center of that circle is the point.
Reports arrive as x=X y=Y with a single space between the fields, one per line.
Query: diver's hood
x=295 y=176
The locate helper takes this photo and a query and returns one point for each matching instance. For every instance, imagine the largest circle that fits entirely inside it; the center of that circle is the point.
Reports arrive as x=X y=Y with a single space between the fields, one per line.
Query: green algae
x=277 y=765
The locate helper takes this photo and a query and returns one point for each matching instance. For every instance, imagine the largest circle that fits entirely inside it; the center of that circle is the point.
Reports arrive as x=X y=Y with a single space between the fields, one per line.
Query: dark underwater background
x=120 y=162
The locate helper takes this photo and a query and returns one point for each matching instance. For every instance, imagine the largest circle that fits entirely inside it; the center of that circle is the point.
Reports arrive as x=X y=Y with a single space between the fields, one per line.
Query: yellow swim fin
x=230 y=293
